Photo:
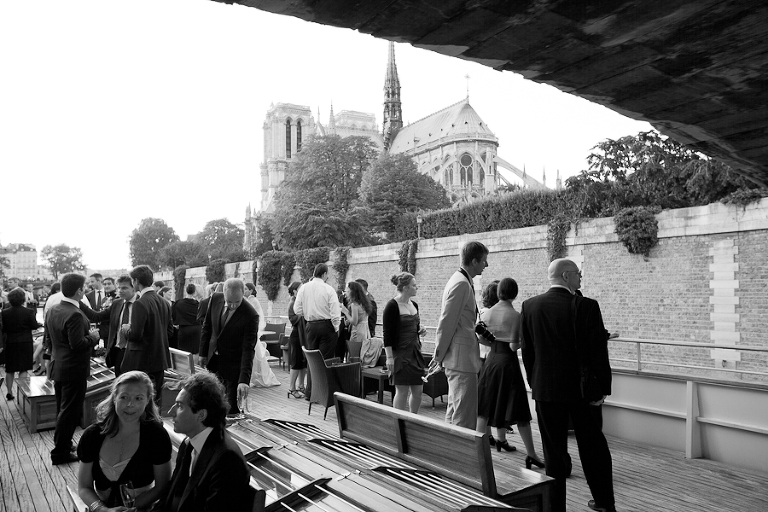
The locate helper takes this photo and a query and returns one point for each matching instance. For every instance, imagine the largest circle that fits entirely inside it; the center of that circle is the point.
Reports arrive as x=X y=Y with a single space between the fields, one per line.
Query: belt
x=318 y=321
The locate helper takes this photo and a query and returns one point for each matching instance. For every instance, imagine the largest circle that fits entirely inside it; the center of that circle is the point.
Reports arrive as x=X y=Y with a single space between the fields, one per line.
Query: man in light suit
x=211 y=474
x=562 y=332
x=456 y=346
x=228 y=341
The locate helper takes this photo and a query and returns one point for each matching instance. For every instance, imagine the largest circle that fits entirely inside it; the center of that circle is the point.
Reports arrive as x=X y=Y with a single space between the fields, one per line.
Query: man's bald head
x=565 y=272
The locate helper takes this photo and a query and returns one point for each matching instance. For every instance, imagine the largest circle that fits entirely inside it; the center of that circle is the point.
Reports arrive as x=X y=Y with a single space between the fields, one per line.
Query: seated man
x=211 y=473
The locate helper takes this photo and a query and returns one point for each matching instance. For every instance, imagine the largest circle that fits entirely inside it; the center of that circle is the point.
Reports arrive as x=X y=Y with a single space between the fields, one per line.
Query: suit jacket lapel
x=202 y=462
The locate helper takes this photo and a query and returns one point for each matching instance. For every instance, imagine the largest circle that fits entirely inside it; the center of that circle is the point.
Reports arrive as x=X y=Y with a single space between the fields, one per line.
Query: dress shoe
x=64 y=459
x=597 y=507
x=505 y=445
x=9 y=396
x=491 y=440
x=530 y=461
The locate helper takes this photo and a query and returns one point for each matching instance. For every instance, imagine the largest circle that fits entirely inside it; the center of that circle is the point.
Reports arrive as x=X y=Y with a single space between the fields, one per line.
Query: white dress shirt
x=197 y=443
x=317 y=300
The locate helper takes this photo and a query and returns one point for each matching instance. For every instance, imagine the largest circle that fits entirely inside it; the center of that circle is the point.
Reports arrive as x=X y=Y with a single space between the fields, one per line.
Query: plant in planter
x=637 y=229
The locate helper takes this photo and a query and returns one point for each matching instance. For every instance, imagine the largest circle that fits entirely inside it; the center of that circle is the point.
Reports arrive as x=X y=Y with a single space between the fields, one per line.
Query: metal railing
x=639 y=343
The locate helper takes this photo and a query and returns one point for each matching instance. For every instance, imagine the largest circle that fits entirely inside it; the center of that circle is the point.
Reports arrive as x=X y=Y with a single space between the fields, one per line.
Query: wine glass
x=128 y=493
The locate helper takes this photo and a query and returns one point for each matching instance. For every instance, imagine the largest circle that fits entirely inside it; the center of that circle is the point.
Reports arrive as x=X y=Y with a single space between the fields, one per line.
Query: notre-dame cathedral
x=453 y=146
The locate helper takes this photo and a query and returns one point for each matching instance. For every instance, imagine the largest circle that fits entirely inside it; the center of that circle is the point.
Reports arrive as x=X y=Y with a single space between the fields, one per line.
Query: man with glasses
x=563 y=333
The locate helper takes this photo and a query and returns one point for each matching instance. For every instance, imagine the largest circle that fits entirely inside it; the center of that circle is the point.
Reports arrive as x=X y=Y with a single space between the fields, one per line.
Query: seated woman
x=127 y=443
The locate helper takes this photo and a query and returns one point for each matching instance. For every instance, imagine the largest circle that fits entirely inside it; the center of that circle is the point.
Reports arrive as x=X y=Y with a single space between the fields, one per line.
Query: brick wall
x=706 y=281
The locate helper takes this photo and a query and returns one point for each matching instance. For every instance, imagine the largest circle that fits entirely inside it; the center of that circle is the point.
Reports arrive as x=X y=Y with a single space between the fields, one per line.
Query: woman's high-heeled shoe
x=295 y=394
x=504 y=444
x=530 y=461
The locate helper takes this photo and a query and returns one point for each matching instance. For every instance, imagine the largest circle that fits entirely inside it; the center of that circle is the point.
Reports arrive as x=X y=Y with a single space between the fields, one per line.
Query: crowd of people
x=560 y=333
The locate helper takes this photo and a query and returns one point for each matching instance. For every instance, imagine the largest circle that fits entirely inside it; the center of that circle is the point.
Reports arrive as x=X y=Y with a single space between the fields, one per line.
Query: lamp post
x=419 y=220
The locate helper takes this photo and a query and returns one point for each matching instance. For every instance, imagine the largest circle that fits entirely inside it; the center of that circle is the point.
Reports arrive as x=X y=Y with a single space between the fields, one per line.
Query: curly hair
x=106 y=415
x=401 y=280
x=205 y=391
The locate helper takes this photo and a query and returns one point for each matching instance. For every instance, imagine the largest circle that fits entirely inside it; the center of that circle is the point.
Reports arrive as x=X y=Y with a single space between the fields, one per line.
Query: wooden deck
x=646 y=479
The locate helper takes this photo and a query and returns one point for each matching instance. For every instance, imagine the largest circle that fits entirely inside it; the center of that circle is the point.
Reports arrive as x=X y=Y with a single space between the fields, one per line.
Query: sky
x=114 y=111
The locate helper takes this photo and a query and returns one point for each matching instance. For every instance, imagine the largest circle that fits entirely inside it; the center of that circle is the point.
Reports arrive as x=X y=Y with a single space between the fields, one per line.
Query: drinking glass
x=128 y=494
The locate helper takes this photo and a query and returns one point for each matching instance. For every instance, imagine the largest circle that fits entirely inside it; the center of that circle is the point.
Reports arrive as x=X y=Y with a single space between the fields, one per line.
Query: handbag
x=589 y=386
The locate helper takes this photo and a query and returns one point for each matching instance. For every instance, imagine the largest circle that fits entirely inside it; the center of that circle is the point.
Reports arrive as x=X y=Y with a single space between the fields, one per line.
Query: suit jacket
x=109 y=317
x=151 y=327
x=103 y=325
x=17 y=324
x=456 y=344
x=219 y=479
x=552 y=348
x=235 y=341
x=71 y=344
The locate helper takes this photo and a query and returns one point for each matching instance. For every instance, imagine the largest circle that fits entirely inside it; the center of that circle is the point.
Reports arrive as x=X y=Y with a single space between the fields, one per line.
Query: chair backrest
x=318 y=370
x=354 y=348
x=278 y=329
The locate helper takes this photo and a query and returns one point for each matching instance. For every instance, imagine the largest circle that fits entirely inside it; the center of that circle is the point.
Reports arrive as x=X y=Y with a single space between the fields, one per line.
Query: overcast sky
x=113 y=111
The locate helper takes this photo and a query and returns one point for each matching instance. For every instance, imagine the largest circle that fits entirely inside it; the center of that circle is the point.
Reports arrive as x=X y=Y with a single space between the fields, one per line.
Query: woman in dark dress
x=402 y=329
x=127 y=443
x=502 y=398
x=295 y=355
x=185 y=316
x=18 y=324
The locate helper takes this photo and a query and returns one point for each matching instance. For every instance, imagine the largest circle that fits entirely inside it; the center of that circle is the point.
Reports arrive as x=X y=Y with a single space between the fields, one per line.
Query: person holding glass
x=402 y=329
x=127 y=446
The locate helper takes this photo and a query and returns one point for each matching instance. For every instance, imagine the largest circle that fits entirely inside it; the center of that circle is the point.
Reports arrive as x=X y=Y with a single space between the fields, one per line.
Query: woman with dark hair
x=488 y=299
x=502 y=398
x=17 y=326
x=128 y=443
x=402 y=344
x=185 y=316
x=296 y=358
x=357 y=312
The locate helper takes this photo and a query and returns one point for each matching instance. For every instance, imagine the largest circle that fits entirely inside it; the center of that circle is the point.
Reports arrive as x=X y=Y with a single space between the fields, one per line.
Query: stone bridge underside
x=696 y=69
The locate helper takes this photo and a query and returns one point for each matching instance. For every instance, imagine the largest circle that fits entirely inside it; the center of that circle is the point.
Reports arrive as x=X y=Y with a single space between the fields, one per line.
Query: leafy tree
x=648 y=169
x=183 y=252
x=320 y=192
x=222 y=239
x=264 y=235
x=4 y=264
x=148 y=240
x=62 y=259
x=393 y=186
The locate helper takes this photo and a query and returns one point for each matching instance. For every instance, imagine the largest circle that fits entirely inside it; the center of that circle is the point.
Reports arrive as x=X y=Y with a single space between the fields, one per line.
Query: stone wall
x=705 y=282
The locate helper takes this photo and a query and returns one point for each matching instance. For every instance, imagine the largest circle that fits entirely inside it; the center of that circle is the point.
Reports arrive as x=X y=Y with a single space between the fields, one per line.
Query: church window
x=466 y=166
x=287 y=138
x=298 y=135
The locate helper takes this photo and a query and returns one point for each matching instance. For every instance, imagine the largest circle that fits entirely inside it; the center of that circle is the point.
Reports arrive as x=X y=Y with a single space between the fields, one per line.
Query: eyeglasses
x=576 y=271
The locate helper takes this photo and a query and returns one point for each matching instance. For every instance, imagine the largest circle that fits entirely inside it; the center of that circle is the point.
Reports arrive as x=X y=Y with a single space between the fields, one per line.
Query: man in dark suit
x=96 y=298
x=71 y=344
x=114 y=316
x=561 y=333
x=230 y=333
x=210 y=474
x=148 y=332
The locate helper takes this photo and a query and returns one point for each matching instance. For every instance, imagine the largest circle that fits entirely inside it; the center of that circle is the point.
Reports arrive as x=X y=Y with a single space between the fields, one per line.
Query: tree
x=4 y=264
x=320 y=191
x=148 y=240
x=264 y=236
x=222 y=239
x=648 y=169
x=182 y=252
x=393 y=186
x=62 y=259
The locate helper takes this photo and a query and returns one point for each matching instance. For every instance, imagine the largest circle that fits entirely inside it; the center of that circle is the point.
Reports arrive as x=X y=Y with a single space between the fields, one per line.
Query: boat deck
x=646 y=478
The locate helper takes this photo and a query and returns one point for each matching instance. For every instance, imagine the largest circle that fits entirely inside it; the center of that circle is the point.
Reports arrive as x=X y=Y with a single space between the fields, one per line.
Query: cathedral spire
x=331 y=122
x=393 y=112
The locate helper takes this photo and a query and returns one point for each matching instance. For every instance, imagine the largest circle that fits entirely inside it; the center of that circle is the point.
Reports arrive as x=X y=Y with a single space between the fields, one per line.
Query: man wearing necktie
x=116 y=315
x=228 y=341
x=96 y=300
x=210 y=473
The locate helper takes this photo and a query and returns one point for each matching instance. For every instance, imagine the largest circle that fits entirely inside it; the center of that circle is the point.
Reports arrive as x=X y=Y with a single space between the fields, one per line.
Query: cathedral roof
x=457 y=119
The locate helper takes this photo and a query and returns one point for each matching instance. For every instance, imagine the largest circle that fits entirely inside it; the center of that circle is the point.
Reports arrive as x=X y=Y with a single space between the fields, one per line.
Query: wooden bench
x=457 y=453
